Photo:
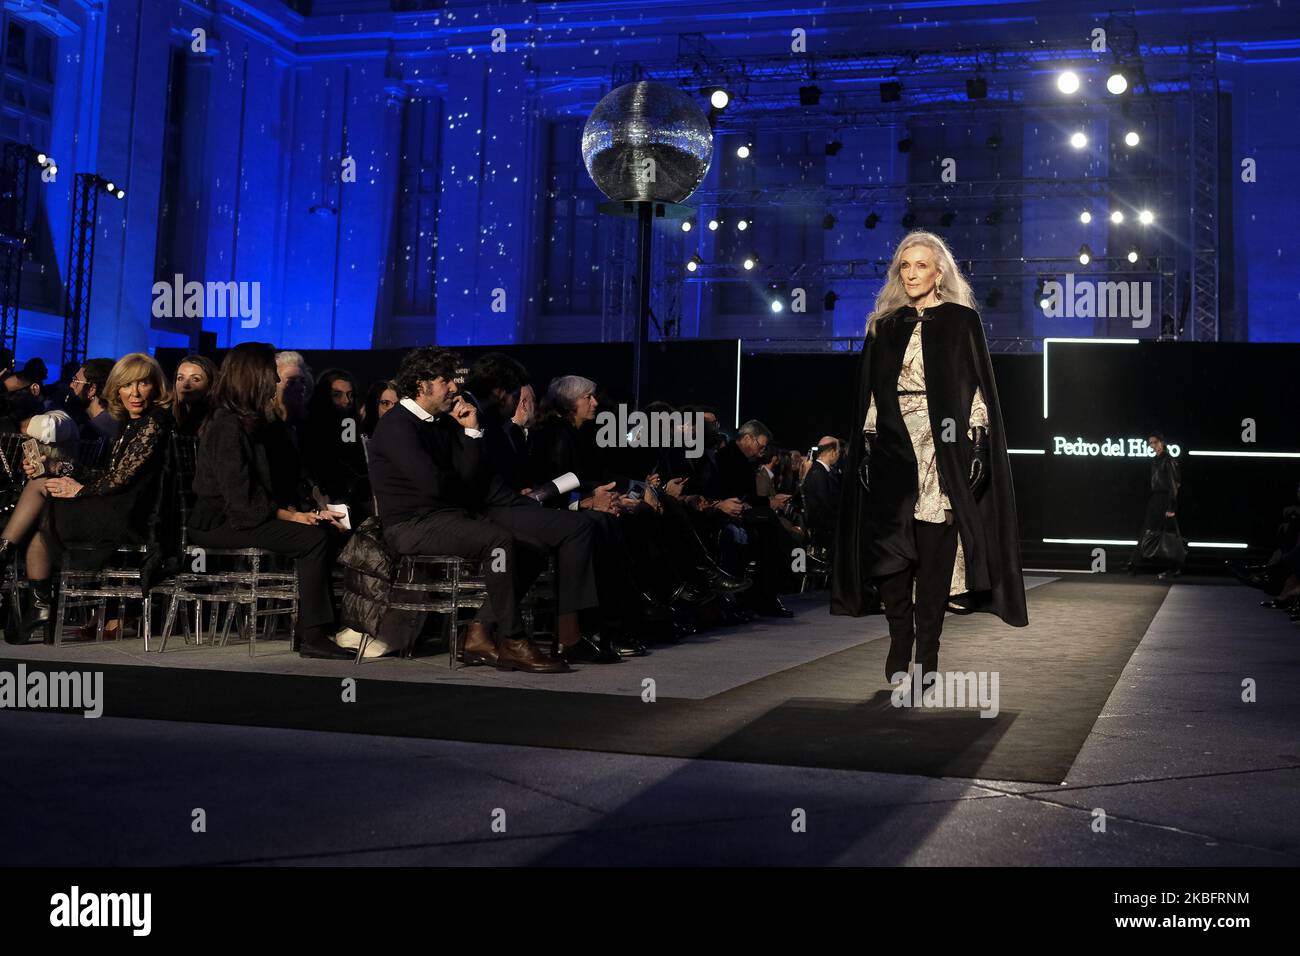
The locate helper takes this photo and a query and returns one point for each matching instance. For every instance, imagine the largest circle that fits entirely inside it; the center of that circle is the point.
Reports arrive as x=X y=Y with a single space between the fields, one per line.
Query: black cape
x=875 y=535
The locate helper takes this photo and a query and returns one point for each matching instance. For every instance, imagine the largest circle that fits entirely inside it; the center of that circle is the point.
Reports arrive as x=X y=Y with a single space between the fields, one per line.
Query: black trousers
x=513 y=543
x=308 y=545
x=920 y=621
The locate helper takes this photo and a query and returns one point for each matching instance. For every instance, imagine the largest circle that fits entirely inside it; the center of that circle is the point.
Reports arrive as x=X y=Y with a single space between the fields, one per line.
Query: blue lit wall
x=444 y=234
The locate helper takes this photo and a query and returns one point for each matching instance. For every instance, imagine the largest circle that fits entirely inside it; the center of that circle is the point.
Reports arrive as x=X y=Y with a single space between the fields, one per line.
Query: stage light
x=108 y=186
x=833 y=147
x=1131 y=138
x=1085 y=254
x=1085 y=217
x=905 y=144
x=743 y=151
x=750 y=262
x=41 y=158
x=121 y=194
x=686 y=225
x=828 y=221
x=977 y=88
x=1117 y=217
x=809 y=95
x=829 y=303
x=1116 y=83
x=1040 y=293
x=713 y=225
x=891 y=92
x=1146 y=217
x=871 y=220
x=1132 y=255
x=719 y=99
x=1068 y=82
x=947 y=218
x=742 y=225
x=1078 y=140
x=776 y=305
x=54 y=170
x=908 y=220
x=693 y=263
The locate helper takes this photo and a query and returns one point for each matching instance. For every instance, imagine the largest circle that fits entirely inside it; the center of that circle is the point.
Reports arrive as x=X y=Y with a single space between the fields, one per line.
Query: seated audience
x=195 y=376
x=330 y=441
x=101 y=509
x=437 y=495
x=235 y=505
x=380 y=400
x=90 y=401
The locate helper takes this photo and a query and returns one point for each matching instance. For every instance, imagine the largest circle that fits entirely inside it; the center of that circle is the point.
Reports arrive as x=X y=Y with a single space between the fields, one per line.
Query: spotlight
x=1040 y=293
x=1117 y=217
x=833 y=147
x=42 y=159
x=713 y=225
x=742 y=225
x=977 y=88
x=1085 y=254
x=871 y=220
x=743 y=151
x=693 y=263
x=809 y=95
x=1146 y=217
x=1133 y=255
x=121 y=194
x=947 y=218
x=1068 y=82
x=108 y=186
x=891 y=92
x=750 y=262
x=908 y=220
x=905 y=144
x=829 y=303
x=776 y=305
x=1116 y=83
x=686 y=225
x=1131 y=138
x=719 y=99
x=828 y=221
x=1078 y=140
x=1085 y=217
x=53 y=169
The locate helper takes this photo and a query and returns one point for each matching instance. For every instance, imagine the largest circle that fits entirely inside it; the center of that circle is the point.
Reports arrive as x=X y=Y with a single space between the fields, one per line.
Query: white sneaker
x=350 y=640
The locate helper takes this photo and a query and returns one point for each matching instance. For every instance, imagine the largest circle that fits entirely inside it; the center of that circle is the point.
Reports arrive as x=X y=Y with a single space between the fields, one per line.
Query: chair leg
x=146 y=616
x=451 y=643
x=59 y=615
x=169 y=621
x=102 y=608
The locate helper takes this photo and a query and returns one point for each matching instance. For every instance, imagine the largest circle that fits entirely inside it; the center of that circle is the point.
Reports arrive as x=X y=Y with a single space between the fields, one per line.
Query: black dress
x=117 y=504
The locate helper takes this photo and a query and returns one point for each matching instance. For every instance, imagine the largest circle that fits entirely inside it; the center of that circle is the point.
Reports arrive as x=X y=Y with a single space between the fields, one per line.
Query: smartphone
x=32 y=453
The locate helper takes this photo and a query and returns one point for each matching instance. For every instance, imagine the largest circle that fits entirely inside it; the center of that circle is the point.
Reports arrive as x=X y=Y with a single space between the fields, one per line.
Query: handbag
x=1164 y=545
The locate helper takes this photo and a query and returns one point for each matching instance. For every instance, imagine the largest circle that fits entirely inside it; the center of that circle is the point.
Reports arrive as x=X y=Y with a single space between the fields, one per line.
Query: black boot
x=41 y=612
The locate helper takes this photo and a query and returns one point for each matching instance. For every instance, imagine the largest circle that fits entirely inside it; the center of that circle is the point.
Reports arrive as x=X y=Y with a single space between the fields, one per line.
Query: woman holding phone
x=101 y=508
x=235 y=505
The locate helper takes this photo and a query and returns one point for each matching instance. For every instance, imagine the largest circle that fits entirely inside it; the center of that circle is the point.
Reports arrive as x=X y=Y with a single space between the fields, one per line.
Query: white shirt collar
x=823 y=464
x=412 y=406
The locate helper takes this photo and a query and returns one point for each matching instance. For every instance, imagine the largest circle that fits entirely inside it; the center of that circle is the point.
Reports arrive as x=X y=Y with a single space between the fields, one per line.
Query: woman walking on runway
x=928 y=511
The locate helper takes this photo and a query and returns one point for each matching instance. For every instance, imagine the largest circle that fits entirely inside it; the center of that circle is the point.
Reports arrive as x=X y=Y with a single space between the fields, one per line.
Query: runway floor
x=1122 y=695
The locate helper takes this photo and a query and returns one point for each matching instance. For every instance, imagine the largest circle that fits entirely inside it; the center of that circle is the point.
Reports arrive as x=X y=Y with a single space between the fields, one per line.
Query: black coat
x=821 y=498
x=875 y=535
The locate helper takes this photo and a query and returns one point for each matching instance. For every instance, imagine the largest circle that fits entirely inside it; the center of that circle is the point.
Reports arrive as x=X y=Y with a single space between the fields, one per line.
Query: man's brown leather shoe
x=520 y=654
x=479 y=647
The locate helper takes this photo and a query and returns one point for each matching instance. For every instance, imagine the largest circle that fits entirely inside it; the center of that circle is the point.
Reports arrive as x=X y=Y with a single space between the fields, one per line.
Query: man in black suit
x=821 y=493
x=437 y=494
x=736 y=501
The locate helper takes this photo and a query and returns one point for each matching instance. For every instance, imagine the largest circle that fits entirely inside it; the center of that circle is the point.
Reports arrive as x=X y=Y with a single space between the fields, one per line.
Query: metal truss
x=13 y=237
x=81 y=260
x=1205 y=194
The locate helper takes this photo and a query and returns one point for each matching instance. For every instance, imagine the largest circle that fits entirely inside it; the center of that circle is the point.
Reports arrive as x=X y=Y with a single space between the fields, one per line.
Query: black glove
x=979 y=461
x=864 y=466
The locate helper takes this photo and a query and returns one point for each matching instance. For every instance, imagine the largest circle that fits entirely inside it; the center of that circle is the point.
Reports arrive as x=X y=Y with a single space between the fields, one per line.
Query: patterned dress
x=931 y=503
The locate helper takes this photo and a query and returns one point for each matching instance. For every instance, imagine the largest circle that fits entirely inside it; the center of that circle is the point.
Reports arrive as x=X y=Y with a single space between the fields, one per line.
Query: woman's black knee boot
x=41 y=612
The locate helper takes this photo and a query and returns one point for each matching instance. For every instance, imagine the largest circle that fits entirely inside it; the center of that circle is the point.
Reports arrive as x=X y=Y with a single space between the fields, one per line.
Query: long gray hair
x=950 y=284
